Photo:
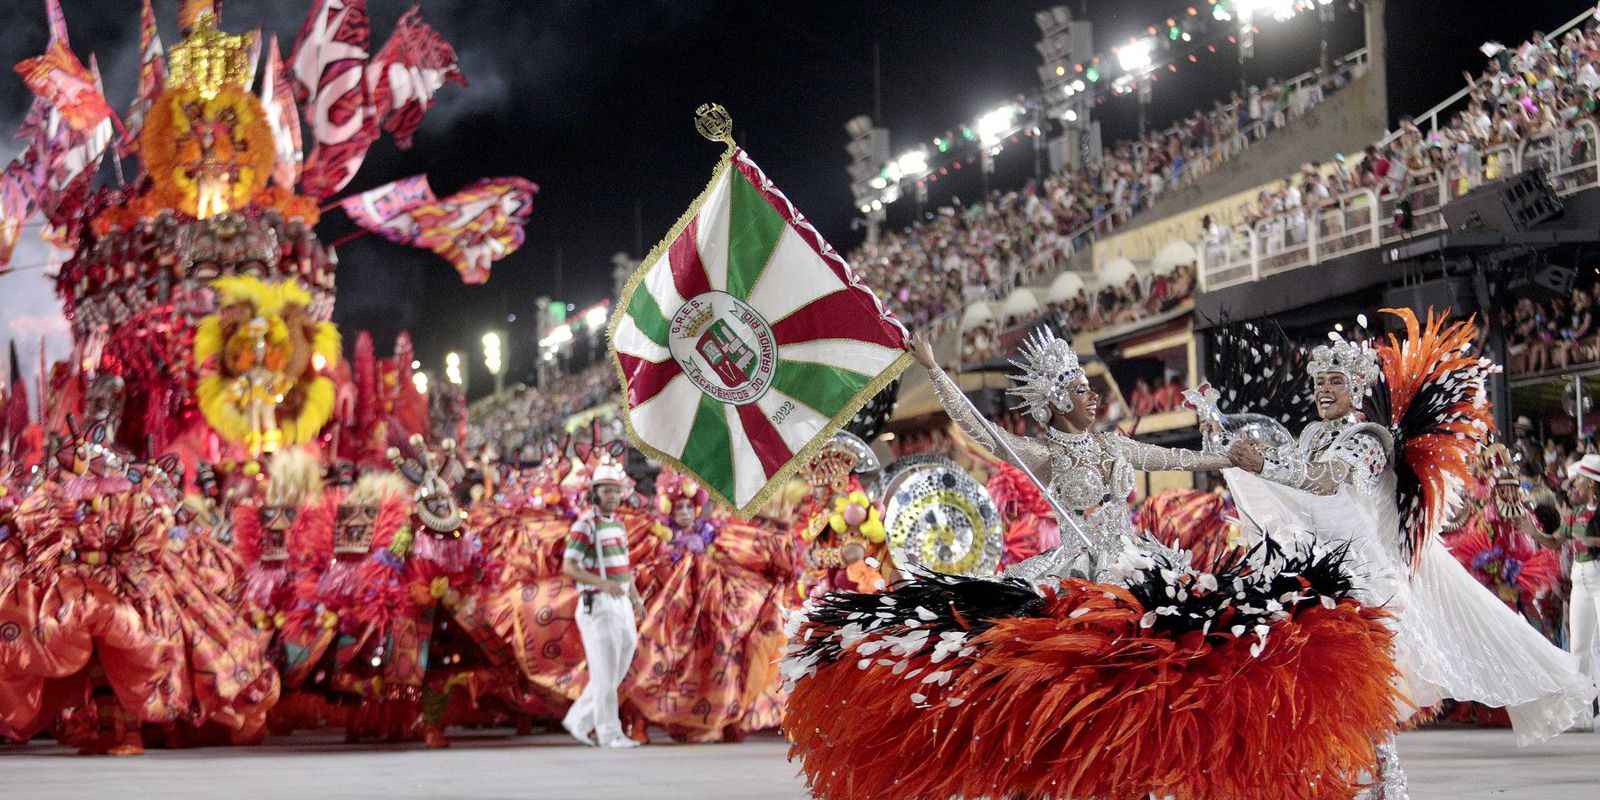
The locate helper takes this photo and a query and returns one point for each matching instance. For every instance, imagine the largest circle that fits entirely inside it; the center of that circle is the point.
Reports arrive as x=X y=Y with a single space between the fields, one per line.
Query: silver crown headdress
x=1357 y=361
x=1048 y=366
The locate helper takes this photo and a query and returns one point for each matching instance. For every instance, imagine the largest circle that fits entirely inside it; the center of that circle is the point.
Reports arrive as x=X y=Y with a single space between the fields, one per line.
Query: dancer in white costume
x=1454 y=639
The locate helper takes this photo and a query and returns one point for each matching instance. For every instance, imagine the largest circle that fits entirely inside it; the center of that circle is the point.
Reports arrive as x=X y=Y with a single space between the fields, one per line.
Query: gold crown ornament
x=208 y=59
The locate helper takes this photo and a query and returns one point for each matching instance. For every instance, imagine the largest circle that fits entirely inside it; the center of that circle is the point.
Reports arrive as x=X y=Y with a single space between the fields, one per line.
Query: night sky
x=594 y=101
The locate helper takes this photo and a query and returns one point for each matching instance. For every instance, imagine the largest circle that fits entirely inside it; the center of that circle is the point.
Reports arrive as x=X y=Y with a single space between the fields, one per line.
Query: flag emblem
x=724 y=347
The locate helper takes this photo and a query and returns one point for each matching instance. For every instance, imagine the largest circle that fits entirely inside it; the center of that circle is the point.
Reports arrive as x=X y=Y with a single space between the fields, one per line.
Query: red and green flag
x=744 y=342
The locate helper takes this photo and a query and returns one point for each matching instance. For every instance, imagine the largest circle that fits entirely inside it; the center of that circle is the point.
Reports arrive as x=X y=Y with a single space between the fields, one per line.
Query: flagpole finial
x=713 y=122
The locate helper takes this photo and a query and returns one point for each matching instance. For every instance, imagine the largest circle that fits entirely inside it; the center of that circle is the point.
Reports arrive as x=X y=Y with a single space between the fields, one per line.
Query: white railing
x=1362 y=220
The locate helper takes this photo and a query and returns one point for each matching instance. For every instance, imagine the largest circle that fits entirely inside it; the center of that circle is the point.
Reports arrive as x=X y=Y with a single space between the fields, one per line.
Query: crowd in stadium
x=1139 y=297
x=1553 y=334
x=1539 y=89
x=1550 y=456
x=525 y=415
x=966 y=251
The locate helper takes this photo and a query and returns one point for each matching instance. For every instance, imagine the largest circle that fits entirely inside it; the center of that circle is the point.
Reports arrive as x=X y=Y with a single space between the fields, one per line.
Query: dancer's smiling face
x=1331 y=391
x=1085 y=407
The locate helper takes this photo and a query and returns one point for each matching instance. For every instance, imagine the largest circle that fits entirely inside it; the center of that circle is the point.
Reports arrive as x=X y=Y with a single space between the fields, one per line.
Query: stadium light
x=912 y=162
x=1135 y=55
x=491 y=353
x=993 y=125
x=1279 y=10
x=493 y=360
x=560 y=335
x=452 y=368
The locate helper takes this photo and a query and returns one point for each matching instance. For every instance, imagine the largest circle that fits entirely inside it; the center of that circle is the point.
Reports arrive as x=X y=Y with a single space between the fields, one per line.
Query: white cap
x=608 y=472
x=1586 y=467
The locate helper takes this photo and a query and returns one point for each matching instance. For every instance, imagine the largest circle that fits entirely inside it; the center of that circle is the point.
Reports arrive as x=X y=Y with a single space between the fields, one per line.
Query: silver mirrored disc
x=938 y=517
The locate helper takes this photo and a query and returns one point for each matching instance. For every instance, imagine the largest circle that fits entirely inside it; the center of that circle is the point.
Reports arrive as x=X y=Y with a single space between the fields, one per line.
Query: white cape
x=1453 y=637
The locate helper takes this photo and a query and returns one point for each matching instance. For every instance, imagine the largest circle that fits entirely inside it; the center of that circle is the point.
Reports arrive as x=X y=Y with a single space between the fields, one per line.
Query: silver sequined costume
x=1090 y=475
x=1331 y=455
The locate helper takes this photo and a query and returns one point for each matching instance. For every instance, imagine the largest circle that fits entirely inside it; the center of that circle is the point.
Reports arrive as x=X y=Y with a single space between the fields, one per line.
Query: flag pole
x=347 y=238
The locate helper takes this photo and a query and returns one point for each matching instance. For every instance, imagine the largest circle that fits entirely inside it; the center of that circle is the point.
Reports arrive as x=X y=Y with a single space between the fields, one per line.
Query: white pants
x=1583 y=617
x=609 y=636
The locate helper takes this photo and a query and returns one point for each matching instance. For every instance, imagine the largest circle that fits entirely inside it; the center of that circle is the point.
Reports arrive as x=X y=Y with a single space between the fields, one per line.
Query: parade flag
x=277 y=99
x=403 y=77
x=67 y=85
x=744 y=341
x=476 y=226
x=329 y=62
x=386 y=210
x=58 y=164
x=152 y=79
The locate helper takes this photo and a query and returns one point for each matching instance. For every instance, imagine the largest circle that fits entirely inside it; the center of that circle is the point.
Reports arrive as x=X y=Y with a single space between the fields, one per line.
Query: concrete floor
x=1442 y=764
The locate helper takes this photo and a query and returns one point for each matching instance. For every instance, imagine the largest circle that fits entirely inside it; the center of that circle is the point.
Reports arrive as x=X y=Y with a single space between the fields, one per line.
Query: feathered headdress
x=1049 y=365
x=293 y=476
x=1258 y=369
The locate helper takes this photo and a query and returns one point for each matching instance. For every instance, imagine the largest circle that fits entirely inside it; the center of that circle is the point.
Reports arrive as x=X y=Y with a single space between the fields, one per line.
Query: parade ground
x=1448 y=764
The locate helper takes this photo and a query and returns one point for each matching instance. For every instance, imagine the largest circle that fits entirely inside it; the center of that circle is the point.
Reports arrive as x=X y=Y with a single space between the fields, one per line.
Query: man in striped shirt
x=597 y=559
x=1583 y=606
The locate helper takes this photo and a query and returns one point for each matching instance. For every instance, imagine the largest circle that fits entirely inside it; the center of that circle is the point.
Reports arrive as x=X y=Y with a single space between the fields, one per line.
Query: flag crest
x=744 y=341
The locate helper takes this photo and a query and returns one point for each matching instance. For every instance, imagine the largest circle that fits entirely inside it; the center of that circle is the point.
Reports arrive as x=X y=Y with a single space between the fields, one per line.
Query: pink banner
x=404 y=76
x=330 y=55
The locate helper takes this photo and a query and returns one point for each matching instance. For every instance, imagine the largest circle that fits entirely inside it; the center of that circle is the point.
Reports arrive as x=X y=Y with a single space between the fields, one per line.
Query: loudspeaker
x=1437 y=294
x=1509 y=205
x=1556 y=279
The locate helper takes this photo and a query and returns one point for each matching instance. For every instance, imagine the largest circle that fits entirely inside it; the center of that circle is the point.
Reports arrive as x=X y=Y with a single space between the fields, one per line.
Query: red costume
x=712 y=629
x=125 y=631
